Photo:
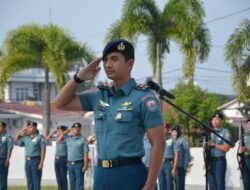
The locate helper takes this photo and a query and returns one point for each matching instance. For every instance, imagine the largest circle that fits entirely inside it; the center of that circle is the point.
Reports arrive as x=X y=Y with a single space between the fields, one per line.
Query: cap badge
x=121 y=46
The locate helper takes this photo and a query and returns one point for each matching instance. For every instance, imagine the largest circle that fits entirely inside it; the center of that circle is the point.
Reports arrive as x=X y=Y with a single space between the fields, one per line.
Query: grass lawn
x=43 y=188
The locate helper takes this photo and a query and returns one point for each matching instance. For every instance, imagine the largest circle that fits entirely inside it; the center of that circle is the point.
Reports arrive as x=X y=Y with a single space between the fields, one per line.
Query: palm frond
x=13 y=64
x=237 y=44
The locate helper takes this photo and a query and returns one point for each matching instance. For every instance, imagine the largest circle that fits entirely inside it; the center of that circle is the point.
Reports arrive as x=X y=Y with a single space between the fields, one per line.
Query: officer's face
x=2 y=129
x=174 y=134
x=31 y=129
x=59 y=131
x=76 y=131
x=116 y=67
x=216 y=122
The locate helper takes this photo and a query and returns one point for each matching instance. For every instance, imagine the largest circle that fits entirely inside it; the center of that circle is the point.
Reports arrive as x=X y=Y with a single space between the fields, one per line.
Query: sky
x=89 y=21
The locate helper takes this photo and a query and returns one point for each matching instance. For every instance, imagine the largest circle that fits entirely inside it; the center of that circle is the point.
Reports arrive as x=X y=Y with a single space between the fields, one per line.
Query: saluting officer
x=246 y=150
x=60 y=157
x=123 y=112
x=35 y=149
x=169 y=165
x=77 y=155
x=6 y=147
x=182 y=148
x=218 y=148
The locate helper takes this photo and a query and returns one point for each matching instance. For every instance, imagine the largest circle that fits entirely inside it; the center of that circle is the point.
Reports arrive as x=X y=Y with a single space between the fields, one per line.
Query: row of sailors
x=72 y=156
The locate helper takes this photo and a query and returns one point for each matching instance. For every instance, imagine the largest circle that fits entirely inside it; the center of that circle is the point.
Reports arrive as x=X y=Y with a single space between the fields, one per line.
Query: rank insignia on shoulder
x=141 y=86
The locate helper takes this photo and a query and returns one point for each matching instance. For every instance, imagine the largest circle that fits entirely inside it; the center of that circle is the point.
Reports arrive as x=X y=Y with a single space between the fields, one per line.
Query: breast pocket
x=100 y=117
x=123 y=122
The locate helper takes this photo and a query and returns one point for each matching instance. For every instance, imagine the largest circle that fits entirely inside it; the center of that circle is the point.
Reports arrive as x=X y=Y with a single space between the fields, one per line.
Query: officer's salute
x=60 y=157
x=218 y=149
x=6 y=146
x=77 y=155
x=246 y=150
x=35 y=148
x=124 y=111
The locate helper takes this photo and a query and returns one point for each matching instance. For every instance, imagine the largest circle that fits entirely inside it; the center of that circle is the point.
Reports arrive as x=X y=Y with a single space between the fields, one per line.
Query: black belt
x=60 y=157
x=119 y=162
x=74 y=162
x=218 y=158
x=32 y=157
x=166 y=160
x=247 y=157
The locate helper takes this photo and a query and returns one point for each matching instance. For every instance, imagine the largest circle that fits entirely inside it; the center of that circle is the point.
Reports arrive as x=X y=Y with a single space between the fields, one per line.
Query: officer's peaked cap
x=119 y=45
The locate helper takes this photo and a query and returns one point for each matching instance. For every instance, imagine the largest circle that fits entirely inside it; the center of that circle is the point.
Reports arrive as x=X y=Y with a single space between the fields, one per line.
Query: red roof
x=34 y=109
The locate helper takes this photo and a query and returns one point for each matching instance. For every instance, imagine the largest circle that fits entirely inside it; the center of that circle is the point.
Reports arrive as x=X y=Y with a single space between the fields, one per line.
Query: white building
x=28 y=84
x=16 y=115
x=232 y=113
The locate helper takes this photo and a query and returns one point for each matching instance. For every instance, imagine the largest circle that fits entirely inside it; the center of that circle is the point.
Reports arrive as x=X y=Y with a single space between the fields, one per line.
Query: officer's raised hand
x=90 y=71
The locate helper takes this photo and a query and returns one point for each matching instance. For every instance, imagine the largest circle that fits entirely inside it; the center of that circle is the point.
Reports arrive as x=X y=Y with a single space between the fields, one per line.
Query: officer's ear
x=130 y=63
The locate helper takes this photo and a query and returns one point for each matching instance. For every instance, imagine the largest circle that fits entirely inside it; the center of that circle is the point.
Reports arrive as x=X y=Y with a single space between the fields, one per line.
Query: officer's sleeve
x=177 y=146
x=187 y=152
x=21 y=141
x=10 y=143
x=54 y=138
x=151 y=114
x=65 y=138
x=227 y=135
x=88 y=100
x=85 y=147
x=43 y=142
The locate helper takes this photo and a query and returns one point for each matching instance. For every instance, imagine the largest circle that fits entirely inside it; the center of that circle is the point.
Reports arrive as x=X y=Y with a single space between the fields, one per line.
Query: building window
x=21 y=94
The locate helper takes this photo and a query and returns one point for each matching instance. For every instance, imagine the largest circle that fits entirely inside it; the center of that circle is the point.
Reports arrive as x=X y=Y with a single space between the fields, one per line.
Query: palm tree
x=180 y=21
x=48 y=47
x=237 y=54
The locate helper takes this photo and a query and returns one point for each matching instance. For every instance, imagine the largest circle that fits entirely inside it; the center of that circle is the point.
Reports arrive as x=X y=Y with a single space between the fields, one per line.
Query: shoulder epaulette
x=141 y=86
x=105 y=86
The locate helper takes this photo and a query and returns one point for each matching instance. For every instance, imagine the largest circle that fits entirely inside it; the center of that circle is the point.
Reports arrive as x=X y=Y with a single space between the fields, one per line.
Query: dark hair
x=62 y=127
x=32 y=123
x=127 y=56
x=3 y=124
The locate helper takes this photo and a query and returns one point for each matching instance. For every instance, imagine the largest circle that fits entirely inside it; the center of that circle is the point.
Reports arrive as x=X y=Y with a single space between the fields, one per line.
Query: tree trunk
x=157 y=75
x=46 y=104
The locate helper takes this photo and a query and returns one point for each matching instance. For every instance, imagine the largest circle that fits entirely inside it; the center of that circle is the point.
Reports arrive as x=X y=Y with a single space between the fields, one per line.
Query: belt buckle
x=57 y=157
x=106 y=163
x=28 y=158
x=73 y=163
